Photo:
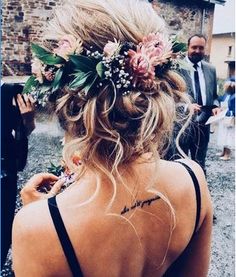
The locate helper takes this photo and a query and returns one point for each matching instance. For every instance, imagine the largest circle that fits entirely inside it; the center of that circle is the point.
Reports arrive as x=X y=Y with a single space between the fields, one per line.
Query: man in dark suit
x=202 y=87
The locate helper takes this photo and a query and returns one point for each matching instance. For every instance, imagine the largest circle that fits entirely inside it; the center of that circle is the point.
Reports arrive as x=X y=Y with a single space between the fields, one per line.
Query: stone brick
x=48 y=8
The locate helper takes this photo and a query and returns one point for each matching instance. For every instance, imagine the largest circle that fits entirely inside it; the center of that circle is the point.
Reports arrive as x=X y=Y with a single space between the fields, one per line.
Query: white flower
x=37 y=69
x=111 y=48
x=68 y=45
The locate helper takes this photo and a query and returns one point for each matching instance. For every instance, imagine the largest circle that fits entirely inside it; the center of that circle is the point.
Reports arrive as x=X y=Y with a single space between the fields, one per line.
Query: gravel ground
x=45 y=147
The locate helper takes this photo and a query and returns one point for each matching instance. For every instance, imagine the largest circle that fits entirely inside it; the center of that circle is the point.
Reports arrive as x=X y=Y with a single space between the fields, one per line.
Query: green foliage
x=179 y=47
x=56 y=170
x=45 y=56
x=52 y=59
x=91 y=83
x=84 y=64
x=80 y=79
x=30 y=84
x=38 y=50
x=100 y=68
x=87 y=71
x=57 y=80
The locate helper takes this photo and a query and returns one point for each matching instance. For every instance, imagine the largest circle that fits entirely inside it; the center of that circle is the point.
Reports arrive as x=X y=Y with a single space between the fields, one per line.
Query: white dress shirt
x=201 y=81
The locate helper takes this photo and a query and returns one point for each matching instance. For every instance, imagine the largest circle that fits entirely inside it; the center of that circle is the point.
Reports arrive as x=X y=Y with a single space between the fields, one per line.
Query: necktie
x=197 y=86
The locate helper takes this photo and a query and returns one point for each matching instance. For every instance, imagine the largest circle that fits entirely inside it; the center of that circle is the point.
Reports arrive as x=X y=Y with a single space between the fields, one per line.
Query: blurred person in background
x=17 y=122
x=226 y=129
x=202 y=88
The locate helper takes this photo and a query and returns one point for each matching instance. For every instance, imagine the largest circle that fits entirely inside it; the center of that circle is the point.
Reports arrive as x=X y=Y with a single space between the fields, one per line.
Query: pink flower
x=37 y=69
x=157 y=47
x=68 y=45
x=111 y=48
x=141 y=63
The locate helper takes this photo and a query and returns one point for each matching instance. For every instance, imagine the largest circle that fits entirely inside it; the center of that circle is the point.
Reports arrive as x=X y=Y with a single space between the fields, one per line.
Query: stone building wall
x=186 y=18
x=24 y=20
x=22 y=23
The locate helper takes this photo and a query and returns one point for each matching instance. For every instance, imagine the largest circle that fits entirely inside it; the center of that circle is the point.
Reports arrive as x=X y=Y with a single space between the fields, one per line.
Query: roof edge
x=219 y=2
x=224 y=33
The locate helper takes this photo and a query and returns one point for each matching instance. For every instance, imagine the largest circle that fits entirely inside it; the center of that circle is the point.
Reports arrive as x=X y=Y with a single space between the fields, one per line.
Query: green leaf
x=100 y=68
x=79 y=73
x=45 y=88
x=45 y=56
x=83 y=63
x=80 y=79
x=38 y=50
x=179 y=47
x=52 y=59
x=56 y=170
x=31 y=83
x=57 y=80
x=90 y=84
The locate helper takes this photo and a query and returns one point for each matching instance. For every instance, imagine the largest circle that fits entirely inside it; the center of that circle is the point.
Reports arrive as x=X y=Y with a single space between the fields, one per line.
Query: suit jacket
x=209 y=73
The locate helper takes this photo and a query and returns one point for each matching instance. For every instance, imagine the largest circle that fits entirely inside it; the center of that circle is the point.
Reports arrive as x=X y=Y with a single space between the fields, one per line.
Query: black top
x=174 y=269
x=14 y=148
x=64 y=238
x=68 y=247
x=198 y=194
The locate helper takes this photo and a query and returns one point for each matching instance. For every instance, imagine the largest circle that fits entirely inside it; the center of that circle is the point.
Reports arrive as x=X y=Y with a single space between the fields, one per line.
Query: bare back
x=150 y=223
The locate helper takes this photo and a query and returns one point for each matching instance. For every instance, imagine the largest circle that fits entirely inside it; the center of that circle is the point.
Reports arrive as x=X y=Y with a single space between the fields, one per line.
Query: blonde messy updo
x=107 y=128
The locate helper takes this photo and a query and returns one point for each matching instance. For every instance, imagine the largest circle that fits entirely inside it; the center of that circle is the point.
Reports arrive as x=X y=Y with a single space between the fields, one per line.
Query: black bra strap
x=198 y=193
x=64 y=238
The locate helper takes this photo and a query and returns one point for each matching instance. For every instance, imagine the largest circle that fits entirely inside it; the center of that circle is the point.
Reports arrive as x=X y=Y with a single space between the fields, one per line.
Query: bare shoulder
x=31 y=236
x=206 y=203
x=31 y=218
x=30 y=227
x=198 y=172
x=180 y=185
x=196 y=168
x=173 y=172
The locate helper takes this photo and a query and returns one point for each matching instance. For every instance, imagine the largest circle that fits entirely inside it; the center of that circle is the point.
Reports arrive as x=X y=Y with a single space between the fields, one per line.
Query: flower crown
x=125 y=66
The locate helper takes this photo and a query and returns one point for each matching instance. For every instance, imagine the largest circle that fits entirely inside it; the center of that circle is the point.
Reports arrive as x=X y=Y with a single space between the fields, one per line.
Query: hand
x=26 y=104
x=51 y=184
x=216 y=111
x=27 y=110
x=195 y=107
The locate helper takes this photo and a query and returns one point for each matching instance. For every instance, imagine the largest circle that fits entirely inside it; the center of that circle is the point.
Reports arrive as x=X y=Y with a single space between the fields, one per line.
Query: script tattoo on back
x=140 y=204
